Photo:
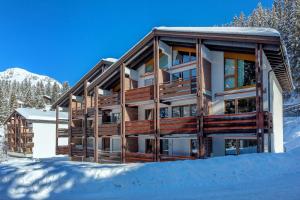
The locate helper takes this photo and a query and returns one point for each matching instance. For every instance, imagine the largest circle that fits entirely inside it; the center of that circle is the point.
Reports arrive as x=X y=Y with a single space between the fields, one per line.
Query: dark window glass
x=149 y=145
x=230 y=106
x=149 y=68
x=193 y=56
x=185 y=111
x=176 y=111
x=164 y=146
x=164 y=112
x=115 y=117
x=193 y=110
x=106 y=144
x=246 y=105
x=246 y=73
x=186 y=75
x=175 y=76
x=185 y=56
x=229 y=79
x=148 y=114
x=163 y=61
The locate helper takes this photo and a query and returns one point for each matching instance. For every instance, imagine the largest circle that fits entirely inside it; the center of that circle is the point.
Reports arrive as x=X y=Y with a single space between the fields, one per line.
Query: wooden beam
x=123 y=107
x=200 y=112
x=96 y=122
x=85 y=100
x=156 y=97
x=259 y=98
x=56 y=127
x=70 y=124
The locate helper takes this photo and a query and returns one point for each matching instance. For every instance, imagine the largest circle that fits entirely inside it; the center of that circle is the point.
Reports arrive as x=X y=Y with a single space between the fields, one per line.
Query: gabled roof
x=65 y=97
x=37 y=115
x=265 y=36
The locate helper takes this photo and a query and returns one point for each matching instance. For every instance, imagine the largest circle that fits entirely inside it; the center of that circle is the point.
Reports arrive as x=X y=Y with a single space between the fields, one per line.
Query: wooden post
x=84 y=124
x=56 y=128
x=122 y=100
x=259 y=98
x=200 y=114
x=156 y=98
x=70 y=125
x=96 y=123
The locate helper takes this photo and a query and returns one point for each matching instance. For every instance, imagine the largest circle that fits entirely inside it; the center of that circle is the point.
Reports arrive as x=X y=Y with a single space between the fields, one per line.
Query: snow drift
x=255 y=176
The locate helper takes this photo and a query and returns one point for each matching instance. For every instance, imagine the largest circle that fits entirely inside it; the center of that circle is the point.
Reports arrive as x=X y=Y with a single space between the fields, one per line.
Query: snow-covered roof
x=36 y=114
x=255 y=31
x=113 y=60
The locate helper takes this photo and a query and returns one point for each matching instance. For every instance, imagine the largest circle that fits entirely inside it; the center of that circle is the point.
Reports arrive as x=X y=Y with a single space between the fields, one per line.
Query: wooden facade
x=96 y=136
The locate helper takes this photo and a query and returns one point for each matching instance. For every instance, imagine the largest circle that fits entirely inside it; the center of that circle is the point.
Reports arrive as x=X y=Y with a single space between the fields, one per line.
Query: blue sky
x=64 y=39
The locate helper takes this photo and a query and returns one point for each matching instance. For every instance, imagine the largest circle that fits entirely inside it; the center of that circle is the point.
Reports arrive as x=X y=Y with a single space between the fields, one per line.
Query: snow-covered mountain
x=19 y=74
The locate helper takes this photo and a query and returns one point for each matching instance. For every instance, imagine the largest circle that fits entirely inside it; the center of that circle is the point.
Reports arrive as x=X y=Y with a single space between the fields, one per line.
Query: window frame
x=188 y=50
x=236 y=104
x=236 y=57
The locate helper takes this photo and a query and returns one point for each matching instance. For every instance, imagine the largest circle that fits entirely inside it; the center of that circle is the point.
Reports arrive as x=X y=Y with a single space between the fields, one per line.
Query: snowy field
x=255 y=176
x=291 y=132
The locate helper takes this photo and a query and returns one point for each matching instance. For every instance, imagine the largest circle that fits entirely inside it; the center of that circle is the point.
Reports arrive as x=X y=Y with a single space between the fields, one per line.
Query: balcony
x=77 y=131
x=180 y=125
x=62 y=132
x=110 y=157
x=139 y=94
x=139 y=127
x=177 y=88
x=109 y=129
x=235 y=123
x=139 y=157
x=110 y=100
x=62 y=150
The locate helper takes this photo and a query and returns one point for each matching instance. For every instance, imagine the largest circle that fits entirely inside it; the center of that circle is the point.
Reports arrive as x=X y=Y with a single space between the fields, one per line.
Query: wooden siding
x=178 y=125
x=176 y=88
x=139 y=94
x=109 y=129
x=139 y=127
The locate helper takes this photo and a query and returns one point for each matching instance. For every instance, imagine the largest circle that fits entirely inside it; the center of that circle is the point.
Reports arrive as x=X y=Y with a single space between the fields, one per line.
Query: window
x=240 y=105
x=239 y=70
x=149 y=145
x=106 y=144
x=164 y=112
x=163 y=61
x=149 y=66
x=149 y=81
x=183 y=55
x=115 y=118
x=149 y=114
x=184 y=111
x=164 y=146
x=187 y=75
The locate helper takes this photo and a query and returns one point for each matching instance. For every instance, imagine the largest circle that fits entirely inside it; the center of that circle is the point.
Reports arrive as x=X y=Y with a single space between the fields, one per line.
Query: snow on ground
x=291 y=132
x=255 y=176
x=252 y=176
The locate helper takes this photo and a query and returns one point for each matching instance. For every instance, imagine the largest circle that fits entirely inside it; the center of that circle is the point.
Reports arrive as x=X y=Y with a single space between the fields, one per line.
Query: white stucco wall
x=44 y=140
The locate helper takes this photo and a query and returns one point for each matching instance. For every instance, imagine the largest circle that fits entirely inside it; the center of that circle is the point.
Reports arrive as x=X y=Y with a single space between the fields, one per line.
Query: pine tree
x=65 y=87
x=55 y=92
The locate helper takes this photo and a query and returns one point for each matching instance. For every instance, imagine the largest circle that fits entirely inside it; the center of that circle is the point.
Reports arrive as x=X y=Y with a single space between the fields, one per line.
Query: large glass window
x=163 y=61
x=240 y=105
x=164 y=146
x=184 y=111
x=115 y=117
x=194 y=147
x=149 y=114
x=164 y=112
x=149 y=67
x=149 y=145
x=239 y=70
x=246 y=73
x=183 y=55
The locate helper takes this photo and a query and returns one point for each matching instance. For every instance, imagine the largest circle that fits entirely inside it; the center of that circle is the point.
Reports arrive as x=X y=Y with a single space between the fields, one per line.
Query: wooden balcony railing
x=109 y=129
x=177 y=88
x=109 y=100
x=139 y=157
x=89 y=131
x=139 y=127
x=62 y=132
x=109 y=157
x=76 y=131
x=62 y=150
x=178 y=125
x=139 y=94
x=234 y=123
x=173 y=158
